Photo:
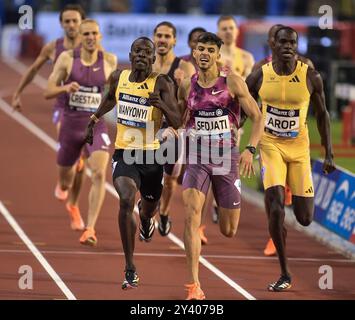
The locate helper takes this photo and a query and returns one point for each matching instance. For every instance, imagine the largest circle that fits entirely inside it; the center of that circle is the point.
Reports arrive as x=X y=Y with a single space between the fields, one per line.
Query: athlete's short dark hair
x=209 y=37
x=167 y=24
x=288 y=29
x=73 y=7
x=197 y=29
x=275 y=26
x=224 y=18
x=145 y=39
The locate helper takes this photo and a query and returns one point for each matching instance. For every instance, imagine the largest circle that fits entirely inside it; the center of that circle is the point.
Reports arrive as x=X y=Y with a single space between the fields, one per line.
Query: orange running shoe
x=201 y=232
x=194 y=292
x=60 y=194
x=76 y=222
x=288 y=196
x=88 y=237
x=80 y=164
x=270 y=249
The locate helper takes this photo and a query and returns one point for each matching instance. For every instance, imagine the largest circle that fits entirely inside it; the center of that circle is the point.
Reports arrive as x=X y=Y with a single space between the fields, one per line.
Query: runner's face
x=164 y=40
x=90 y=36
x=228 y=31
x=286 y=45
x=193 y=41
x=206 y=55
x=142 y=55
x=71 y=21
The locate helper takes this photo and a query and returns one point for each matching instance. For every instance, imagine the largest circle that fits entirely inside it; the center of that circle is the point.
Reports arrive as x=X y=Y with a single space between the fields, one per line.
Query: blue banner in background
x=335 y=201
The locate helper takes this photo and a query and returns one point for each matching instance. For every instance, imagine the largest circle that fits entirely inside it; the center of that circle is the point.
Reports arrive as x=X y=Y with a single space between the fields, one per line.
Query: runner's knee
x=127 y=196
x=228 y=231
x=305 y=219
x=303 y=209
x=274 y=204
x=98 y=175
x=193 y=215
x=127 y=202
x=228 y=224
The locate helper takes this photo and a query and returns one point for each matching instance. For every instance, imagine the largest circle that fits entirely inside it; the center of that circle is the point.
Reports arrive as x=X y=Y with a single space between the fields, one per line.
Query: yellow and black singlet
x=285 y=101
x=137 y=120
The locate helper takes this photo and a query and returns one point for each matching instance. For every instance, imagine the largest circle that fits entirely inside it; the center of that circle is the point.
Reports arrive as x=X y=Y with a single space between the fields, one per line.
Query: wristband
x=94 y=118
x=251 y=149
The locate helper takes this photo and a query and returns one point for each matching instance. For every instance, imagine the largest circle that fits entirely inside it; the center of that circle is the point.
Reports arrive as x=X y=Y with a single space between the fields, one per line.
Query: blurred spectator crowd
x=342 y=9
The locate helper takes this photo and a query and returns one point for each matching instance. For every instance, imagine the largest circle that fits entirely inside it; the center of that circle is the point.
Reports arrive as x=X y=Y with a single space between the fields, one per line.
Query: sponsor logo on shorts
x=238 y=185
x=106 y=139
x=216 y=92
x=114 y=163
x=309 y=190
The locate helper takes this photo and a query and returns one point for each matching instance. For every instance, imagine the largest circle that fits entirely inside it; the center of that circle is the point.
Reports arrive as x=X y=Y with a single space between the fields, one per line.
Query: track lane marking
x=5 y=107
x=42 y=260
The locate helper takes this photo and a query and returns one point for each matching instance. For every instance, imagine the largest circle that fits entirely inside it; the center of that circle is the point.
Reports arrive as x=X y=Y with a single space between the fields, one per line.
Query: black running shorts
x=141 y=166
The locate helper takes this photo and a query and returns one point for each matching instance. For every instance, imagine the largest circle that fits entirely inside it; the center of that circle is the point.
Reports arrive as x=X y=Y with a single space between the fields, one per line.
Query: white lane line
x=178 y=255
x=51 y=142
x=59 y=282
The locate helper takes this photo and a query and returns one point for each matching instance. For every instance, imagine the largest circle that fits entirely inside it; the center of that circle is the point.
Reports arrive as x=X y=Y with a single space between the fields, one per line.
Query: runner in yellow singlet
x=239 y=60
x=270 y=249
x=142 y=98
x=286 y=86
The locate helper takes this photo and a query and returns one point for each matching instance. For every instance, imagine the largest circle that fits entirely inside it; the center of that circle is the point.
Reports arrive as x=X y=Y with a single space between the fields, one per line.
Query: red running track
x=28 y=176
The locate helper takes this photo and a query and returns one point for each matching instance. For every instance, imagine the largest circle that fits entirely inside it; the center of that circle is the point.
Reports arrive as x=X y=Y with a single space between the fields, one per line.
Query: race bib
x=282 y=123
x=133 y=110
x=86 y=99
x=211 y=123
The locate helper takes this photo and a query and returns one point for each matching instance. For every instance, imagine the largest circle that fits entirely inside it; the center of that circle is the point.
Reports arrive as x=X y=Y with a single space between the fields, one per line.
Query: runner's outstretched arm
x=322 y=116
x=239 y=89
x=26 y=79
x=59 y=74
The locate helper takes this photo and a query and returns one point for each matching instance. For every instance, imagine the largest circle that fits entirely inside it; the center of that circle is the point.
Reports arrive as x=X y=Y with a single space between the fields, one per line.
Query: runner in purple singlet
x=70 y=19
x=213 y=103
x=84 y=72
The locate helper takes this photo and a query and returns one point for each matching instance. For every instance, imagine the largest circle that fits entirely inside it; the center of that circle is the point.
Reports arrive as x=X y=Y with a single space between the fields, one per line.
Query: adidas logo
x=143 y=86
x=295 y=79
x=310 y=190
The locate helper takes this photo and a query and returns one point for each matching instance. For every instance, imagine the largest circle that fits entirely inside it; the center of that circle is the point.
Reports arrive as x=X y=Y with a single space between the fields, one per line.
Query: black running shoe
x=146 y=228
x=164 y=226
x=283 y=284
x=131 y=280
